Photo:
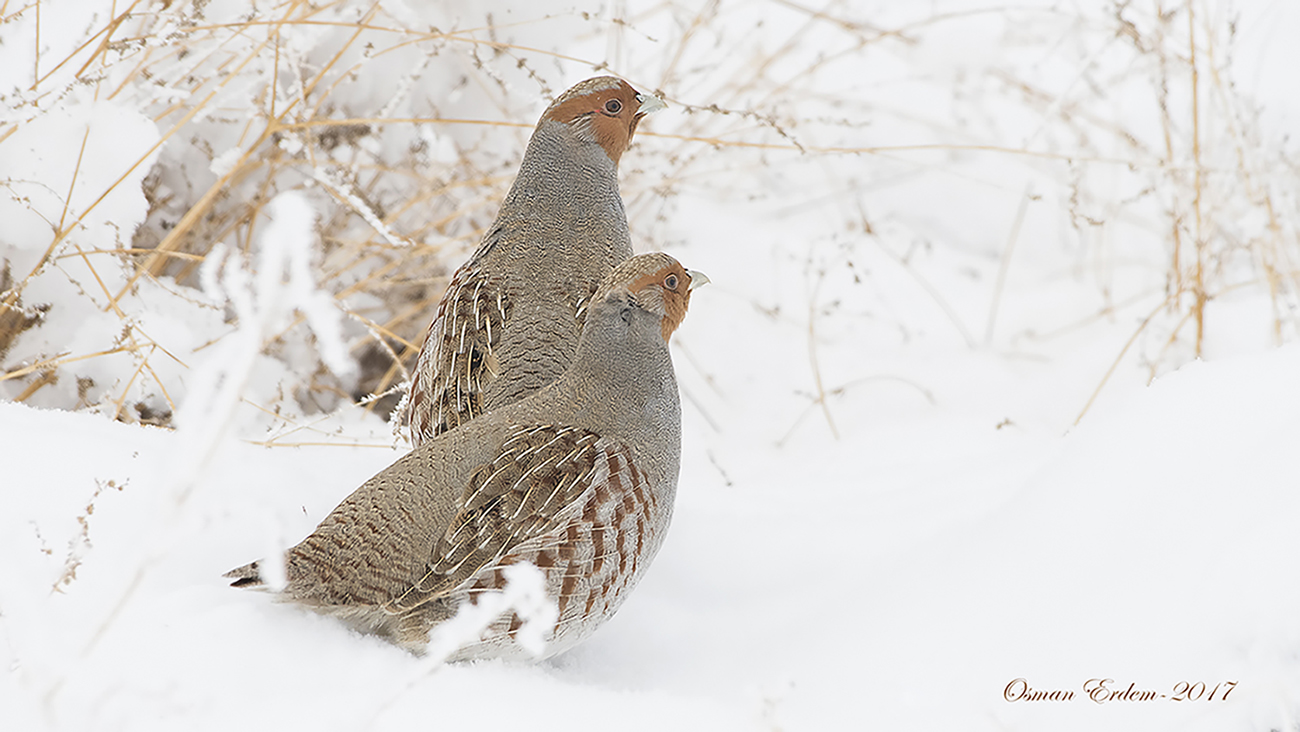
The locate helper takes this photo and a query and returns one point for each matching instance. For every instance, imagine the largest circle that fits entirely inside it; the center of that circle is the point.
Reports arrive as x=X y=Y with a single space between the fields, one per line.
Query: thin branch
x=1005 y=262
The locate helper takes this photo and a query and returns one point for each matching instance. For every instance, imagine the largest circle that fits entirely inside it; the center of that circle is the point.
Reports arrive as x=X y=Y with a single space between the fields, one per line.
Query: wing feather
x=529 y=491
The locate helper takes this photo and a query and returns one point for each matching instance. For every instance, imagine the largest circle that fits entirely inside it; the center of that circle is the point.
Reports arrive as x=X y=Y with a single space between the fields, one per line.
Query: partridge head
x=605 y=110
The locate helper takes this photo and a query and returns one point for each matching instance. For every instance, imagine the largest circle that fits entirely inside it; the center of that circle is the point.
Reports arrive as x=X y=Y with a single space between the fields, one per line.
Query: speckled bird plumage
x=578 y=479
x=511 y=317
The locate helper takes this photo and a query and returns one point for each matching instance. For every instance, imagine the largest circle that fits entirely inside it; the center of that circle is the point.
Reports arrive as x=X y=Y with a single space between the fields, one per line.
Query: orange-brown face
x=609 y=105
x=672 y=286
x=657 y=283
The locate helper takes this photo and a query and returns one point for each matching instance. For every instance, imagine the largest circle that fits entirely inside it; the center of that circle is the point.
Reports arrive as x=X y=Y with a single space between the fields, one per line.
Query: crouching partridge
x=510 y=320
x=578 y=479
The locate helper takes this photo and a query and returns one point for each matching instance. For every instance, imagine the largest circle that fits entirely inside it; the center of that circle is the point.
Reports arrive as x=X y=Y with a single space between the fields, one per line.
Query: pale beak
x=649 y=103
x=698 y=279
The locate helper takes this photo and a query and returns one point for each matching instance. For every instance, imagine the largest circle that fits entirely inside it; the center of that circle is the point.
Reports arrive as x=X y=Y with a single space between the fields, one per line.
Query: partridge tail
x=248 y=575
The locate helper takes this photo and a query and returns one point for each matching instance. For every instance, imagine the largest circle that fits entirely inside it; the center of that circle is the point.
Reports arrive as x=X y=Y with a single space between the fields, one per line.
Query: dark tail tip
x=245 y=576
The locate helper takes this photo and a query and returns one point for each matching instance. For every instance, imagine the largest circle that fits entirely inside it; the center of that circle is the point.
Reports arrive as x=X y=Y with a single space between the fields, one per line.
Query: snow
x=1154 y=544
x=901 y=487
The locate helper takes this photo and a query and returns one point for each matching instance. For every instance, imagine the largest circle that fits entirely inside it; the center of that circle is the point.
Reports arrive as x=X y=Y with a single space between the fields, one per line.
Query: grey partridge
x=577 y=479
x=511 y=317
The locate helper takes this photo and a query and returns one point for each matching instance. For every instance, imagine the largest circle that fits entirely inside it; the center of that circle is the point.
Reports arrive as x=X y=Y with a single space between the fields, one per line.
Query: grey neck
x=566 y=182
x=622 y=359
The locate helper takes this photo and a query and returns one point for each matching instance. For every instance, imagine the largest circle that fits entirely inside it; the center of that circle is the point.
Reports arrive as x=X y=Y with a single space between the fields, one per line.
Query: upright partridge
x=511 y=317
x=578 y=479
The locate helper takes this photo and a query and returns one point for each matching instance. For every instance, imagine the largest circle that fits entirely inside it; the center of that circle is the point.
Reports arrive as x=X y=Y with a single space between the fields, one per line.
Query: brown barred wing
x=533 y=486
x=458 y=357
x=596 y=558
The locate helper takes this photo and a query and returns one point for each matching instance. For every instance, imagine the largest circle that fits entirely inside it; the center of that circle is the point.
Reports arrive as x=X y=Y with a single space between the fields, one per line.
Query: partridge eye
x=613 y=106
x=671 y=282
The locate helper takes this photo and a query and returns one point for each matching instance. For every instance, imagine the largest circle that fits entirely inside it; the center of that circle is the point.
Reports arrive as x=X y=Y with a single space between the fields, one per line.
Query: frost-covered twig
x=261 y=300
x=524 y=595
x=328 y=179
x=405 y=86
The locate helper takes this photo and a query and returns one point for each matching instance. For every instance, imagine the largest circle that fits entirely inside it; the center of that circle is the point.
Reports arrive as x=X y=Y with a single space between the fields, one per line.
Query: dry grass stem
x=405 y=132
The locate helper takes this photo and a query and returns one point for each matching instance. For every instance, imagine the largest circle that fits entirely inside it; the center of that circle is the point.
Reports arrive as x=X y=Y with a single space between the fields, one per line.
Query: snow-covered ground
x=887 y=518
